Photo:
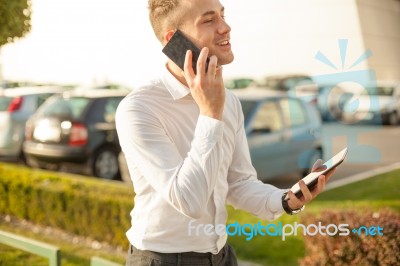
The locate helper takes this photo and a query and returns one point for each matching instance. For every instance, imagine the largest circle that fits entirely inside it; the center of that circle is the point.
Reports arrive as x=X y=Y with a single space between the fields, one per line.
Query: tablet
x=311 y=179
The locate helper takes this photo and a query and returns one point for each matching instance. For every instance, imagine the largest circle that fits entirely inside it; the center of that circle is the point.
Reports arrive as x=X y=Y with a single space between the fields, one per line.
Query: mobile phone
x=311 y=179
x=177 y=47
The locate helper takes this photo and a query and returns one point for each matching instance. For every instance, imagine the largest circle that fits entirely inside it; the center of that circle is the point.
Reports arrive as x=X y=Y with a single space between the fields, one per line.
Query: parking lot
x=282 y=140
x=370 y=147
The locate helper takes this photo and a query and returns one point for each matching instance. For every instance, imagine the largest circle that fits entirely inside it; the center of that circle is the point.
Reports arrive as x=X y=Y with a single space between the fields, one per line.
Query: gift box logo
x=349 y=98
x=354 y=85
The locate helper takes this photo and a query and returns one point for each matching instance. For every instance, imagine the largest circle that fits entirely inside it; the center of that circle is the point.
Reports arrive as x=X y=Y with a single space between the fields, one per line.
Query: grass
x=376 y=193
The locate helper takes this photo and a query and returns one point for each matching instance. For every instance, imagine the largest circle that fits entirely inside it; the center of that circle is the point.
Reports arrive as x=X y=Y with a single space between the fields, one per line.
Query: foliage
x=356 y=248
x=15 y=16
x=11 y=256
x=100 y=209
x=83 y=206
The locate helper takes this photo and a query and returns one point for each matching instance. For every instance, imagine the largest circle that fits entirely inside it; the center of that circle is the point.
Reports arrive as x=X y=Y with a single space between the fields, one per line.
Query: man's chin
x=226 y=60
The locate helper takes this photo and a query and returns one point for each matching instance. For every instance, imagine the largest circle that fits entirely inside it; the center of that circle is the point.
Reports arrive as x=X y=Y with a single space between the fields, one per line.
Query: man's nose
x=223 y=27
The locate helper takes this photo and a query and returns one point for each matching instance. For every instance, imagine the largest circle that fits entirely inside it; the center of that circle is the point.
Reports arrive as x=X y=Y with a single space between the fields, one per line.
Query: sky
x=97 y=41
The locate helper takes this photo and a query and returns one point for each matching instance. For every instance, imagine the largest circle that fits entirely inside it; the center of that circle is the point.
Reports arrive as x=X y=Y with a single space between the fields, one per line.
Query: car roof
x=22 y=91
x=255 y=94
x=95 y=93
x=286 y=76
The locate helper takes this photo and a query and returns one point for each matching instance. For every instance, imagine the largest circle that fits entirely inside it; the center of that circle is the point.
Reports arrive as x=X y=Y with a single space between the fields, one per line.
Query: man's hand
x=296 y=203
x=207 y=88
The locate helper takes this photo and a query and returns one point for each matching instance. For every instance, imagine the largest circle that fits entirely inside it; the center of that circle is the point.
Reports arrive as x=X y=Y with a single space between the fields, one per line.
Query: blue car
x=284 y=133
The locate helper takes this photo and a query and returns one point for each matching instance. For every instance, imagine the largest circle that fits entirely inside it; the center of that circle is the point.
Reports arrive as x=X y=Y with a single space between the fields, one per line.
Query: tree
x=15 y=20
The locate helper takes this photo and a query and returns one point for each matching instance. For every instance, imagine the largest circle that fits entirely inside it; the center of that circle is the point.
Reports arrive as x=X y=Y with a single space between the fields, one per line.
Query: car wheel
x=393 y=119
x=105 y=163
x=314 y=156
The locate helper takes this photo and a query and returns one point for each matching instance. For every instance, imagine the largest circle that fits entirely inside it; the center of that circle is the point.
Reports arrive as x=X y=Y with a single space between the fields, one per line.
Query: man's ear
x=168 y=35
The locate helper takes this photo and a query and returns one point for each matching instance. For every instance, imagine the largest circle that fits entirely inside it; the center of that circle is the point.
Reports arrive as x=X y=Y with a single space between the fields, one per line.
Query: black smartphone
x=177 y=47
x=311 y=179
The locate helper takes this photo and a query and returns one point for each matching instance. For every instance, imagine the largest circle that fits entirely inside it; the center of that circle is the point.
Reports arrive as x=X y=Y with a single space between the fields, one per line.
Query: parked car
x=284 y=83
x=238 y=83
x=283 y=133
x=16 y=106
x=375 y=104
x=76 y=130
x=295 y=85
x=331 y=101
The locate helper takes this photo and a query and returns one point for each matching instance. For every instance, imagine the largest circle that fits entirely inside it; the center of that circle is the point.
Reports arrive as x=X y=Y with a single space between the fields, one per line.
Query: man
x=186 y=149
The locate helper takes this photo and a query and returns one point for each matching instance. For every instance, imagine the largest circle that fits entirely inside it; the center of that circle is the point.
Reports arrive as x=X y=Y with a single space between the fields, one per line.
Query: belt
x=189 y=258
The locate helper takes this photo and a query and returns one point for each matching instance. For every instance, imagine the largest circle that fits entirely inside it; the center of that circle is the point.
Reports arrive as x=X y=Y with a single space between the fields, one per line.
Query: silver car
x=377 y=104
x=16 y=106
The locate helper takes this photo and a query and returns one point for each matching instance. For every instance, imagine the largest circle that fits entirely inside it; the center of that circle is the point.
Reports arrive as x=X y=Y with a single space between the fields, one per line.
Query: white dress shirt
x=185 y=167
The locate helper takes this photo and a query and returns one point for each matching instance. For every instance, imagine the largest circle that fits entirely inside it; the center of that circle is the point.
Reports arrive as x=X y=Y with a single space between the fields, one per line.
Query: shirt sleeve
x=186 y=183
x=245 y=190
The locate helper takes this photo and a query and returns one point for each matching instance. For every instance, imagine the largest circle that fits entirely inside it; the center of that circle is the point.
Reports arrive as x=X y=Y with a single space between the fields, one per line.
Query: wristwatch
x=286 y=207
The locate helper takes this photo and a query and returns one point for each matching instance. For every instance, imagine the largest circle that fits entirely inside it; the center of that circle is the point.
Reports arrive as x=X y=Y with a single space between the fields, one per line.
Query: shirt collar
x=174 y=86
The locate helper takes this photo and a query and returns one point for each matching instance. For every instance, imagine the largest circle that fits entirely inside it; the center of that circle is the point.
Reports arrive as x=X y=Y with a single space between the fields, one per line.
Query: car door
x=101 y=120
x=267 y=142
x=299 y=138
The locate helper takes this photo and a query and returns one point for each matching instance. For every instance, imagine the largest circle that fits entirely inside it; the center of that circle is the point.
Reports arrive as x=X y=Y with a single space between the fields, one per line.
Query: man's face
x=204 y=23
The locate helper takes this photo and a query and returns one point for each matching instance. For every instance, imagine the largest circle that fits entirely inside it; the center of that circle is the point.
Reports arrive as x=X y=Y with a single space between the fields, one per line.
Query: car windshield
x=65 y=107
x=4 y=103
x=247 y=106
x=379 y=91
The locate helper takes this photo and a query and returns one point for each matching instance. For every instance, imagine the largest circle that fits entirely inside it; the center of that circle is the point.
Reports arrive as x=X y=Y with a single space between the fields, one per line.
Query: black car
x=76 y=131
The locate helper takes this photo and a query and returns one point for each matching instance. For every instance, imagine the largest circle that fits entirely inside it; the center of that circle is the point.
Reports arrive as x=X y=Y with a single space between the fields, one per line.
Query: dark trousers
x=136 y=257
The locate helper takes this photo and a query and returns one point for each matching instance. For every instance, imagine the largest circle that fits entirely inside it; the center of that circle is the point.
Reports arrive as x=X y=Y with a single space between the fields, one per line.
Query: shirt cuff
x=274 y=204
x=208 y=126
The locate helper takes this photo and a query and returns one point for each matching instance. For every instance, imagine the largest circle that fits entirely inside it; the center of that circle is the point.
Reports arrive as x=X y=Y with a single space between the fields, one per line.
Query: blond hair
x=164 y=15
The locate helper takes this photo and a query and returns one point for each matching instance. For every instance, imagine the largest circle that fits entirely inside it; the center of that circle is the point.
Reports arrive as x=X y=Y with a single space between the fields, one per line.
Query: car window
x=65 y=107
x=380 y=91
x=247 y=107
x=42 y=98
x=267 y=119
x=385 y=91
x=293 y=112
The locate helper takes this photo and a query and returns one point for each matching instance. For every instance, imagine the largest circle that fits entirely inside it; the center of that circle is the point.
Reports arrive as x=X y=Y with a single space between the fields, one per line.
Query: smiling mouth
x=224 y=43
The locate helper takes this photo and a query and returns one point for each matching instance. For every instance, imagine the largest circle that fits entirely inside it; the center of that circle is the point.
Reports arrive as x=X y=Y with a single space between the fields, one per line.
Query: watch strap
x=285 y=205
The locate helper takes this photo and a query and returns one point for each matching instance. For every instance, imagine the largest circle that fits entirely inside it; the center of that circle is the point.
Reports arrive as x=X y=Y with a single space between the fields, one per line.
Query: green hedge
x=84 y=206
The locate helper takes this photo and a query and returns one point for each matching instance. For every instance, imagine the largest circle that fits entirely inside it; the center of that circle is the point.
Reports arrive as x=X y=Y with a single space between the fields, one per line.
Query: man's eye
x=208 y=21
